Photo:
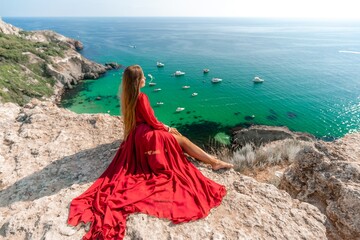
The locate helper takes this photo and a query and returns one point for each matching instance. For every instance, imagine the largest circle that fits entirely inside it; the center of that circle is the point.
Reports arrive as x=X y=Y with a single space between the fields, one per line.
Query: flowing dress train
x=149 y=174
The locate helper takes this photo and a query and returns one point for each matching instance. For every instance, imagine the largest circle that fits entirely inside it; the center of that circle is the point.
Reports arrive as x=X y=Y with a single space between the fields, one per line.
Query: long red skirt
x=149 y=174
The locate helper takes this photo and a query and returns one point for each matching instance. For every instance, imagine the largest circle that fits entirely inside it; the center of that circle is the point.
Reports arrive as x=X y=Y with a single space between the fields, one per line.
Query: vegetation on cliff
x=23 y=66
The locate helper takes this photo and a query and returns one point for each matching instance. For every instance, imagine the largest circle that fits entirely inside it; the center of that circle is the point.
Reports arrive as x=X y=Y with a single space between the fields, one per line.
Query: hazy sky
x=200 y=8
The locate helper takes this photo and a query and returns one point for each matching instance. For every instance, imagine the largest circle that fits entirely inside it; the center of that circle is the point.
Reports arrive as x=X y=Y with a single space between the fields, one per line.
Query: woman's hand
x=174 y=131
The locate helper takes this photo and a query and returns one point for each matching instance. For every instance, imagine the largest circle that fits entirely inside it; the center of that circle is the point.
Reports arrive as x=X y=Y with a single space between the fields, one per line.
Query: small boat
x=216 y=80
x=160 y=64
x=179 y=73
x=157 y=89
x=179 y=109
x=194 y=94
x=159 y=103
x=151 y=76
x=152 y=84
x=258 y=80
x=185 y=87
x=206 y=70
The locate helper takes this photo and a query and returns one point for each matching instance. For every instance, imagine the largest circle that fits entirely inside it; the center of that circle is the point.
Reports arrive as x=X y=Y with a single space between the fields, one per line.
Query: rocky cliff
x=328 y=176
x=51 y=155
x=40 y=64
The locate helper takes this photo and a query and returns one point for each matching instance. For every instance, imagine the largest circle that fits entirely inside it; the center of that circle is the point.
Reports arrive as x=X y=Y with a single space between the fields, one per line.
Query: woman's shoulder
x=142 y=95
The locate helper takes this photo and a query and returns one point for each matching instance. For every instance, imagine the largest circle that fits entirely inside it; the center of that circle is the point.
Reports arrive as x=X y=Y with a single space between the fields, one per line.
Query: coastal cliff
x=50 y=155
x=40 y=64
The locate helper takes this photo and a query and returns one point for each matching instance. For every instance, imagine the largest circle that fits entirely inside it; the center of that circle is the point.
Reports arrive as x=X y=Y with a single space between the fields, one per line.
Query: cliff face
x=51 y=155
x=40 y=64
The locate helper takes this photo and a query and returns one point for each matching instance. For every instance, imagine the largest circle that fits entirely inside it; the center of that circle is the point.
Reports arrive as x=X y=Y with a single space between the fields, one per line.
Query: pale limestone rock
x=328 y=176
x=7 y=28
x=53 y=155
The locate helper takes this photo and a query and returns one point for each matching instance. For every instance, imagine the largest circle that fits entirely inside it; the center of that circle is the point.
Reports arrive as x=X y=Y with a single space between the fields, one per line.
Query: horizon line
x=244 y=17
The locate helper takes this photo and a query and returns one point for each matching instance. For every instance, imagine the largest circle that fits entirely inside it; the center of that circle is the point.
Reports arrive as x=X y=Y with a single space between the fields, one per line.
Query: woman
x=149 y=173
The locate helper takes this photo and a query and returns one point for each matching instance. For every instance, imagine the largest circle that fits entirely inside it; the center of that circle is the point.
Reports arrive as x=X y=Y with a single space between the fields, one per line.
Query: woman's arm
x=147 y=113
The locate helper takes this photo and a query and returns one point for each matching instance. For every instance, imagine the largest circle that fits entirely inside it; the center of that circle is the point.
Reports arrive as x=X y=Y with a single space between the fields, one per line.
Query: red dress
x=149 y=174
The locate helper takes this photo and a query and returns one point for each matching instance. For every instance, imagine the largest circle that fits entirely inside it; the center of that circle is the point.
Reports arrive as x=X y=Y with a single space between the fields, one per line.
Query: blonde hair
x=130 y=85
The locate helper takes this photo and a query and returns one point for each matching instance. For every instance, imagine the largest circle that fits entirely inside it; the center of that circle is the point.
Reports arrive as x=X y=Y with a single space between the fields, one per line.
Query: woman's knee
x=181 y=140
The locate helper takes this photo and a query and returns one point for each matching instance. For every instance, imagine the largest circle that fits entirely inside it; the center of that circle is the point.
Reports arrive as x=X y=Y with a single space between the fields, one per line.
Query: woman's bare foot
x=218 y=164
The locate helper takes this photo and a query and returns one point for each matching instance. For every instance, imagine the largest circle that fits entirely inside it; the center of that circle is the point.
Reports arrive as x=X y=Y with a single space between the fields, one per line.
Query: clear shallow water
x=311 y=70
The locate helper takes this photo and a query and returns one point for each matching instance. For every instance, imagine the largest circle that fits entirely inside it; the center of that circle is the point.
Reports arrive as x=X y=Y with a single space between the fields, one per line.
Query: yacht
x=179 y=73
x=194 y=94
x=185 y=87
x=152 y=84
x=206 y=70
x=159 y=103
x=157 y=89
x=216 y=80
x=258 y=80
x=179 y=109
x=160 y=64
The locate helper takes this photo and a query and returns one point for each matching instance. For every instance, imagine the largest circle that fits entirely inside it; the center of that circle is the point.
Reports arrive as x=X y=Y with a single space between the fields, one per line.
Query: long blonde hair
x=130 y=85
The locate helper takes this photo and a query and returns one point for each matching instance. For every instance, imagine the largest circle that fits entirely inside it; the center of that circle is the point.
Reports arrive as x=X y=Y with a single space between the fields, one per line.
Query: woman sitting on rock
x=149 y=173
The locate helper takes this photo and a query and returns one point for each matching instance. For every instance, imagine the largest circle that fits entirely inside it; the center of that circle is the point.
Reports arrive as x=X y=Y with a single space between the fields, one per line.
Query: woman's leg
x=196 y=152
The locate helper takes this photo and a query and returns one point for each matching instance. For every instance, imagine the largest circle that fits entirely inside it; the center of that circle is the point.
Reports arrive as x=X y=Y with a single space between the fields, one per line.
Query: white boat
x=194 y=94
x=160 y=64
x=258 y=80
x=179 y=73
x=185 y=87
x=216 y=80
x=159 y=103
x=152 y=84
x=179 y=109
x=157 y=89
x=151 y=76
x=206 y=70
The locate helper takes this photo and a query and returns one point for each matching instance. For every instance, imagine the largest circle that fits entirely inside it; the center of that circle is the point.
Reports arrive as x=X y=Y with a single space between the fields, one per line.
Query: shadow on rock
x=80 y=168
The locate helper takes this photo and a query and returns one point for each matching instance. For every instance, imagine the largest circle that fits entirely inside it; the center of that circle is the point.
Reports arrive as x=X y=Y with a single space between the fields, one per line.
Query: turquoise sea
x=311 y=70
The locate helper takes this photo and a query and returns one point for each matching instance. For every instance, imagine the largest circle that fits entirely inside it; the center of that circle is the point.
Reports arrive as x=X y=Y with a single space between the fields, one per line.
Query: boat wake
x=353 y=52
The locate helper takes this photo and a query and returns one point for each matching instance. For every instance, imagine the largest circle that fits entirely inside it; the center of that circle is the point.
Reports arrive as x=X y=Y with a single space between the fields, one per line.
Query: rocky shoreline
x=50 y=155
x=67 y=69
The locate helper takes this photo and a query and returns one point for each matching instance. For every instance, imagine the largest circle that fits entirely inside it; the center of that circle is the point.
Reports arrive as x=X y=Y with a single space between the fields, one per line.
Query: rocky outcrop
x=112 y=65
x=68 y=68
x=71 y=68
x=51 y=155
x=8 y=28
x=328 y=176
x=260 y=134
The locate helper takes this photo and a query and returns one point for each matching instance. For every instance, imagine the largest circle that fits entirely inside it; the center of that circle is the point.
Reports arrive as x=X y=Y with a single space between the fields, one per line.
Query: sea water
x=311 y=70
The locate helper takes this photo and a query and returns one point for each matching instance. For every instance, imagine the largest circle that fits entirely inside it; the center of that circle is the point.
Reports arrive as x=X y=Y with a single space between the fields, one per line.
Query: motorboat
x=160 y=64
x=151 y=76
x=185 y=87
x=216 y=80
x=179 y=73
x=258 y=80
x=194 y=94
x=206 y=70
x=179 y=109
x=152 y=84
x=157 y=89
x=159 y=103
